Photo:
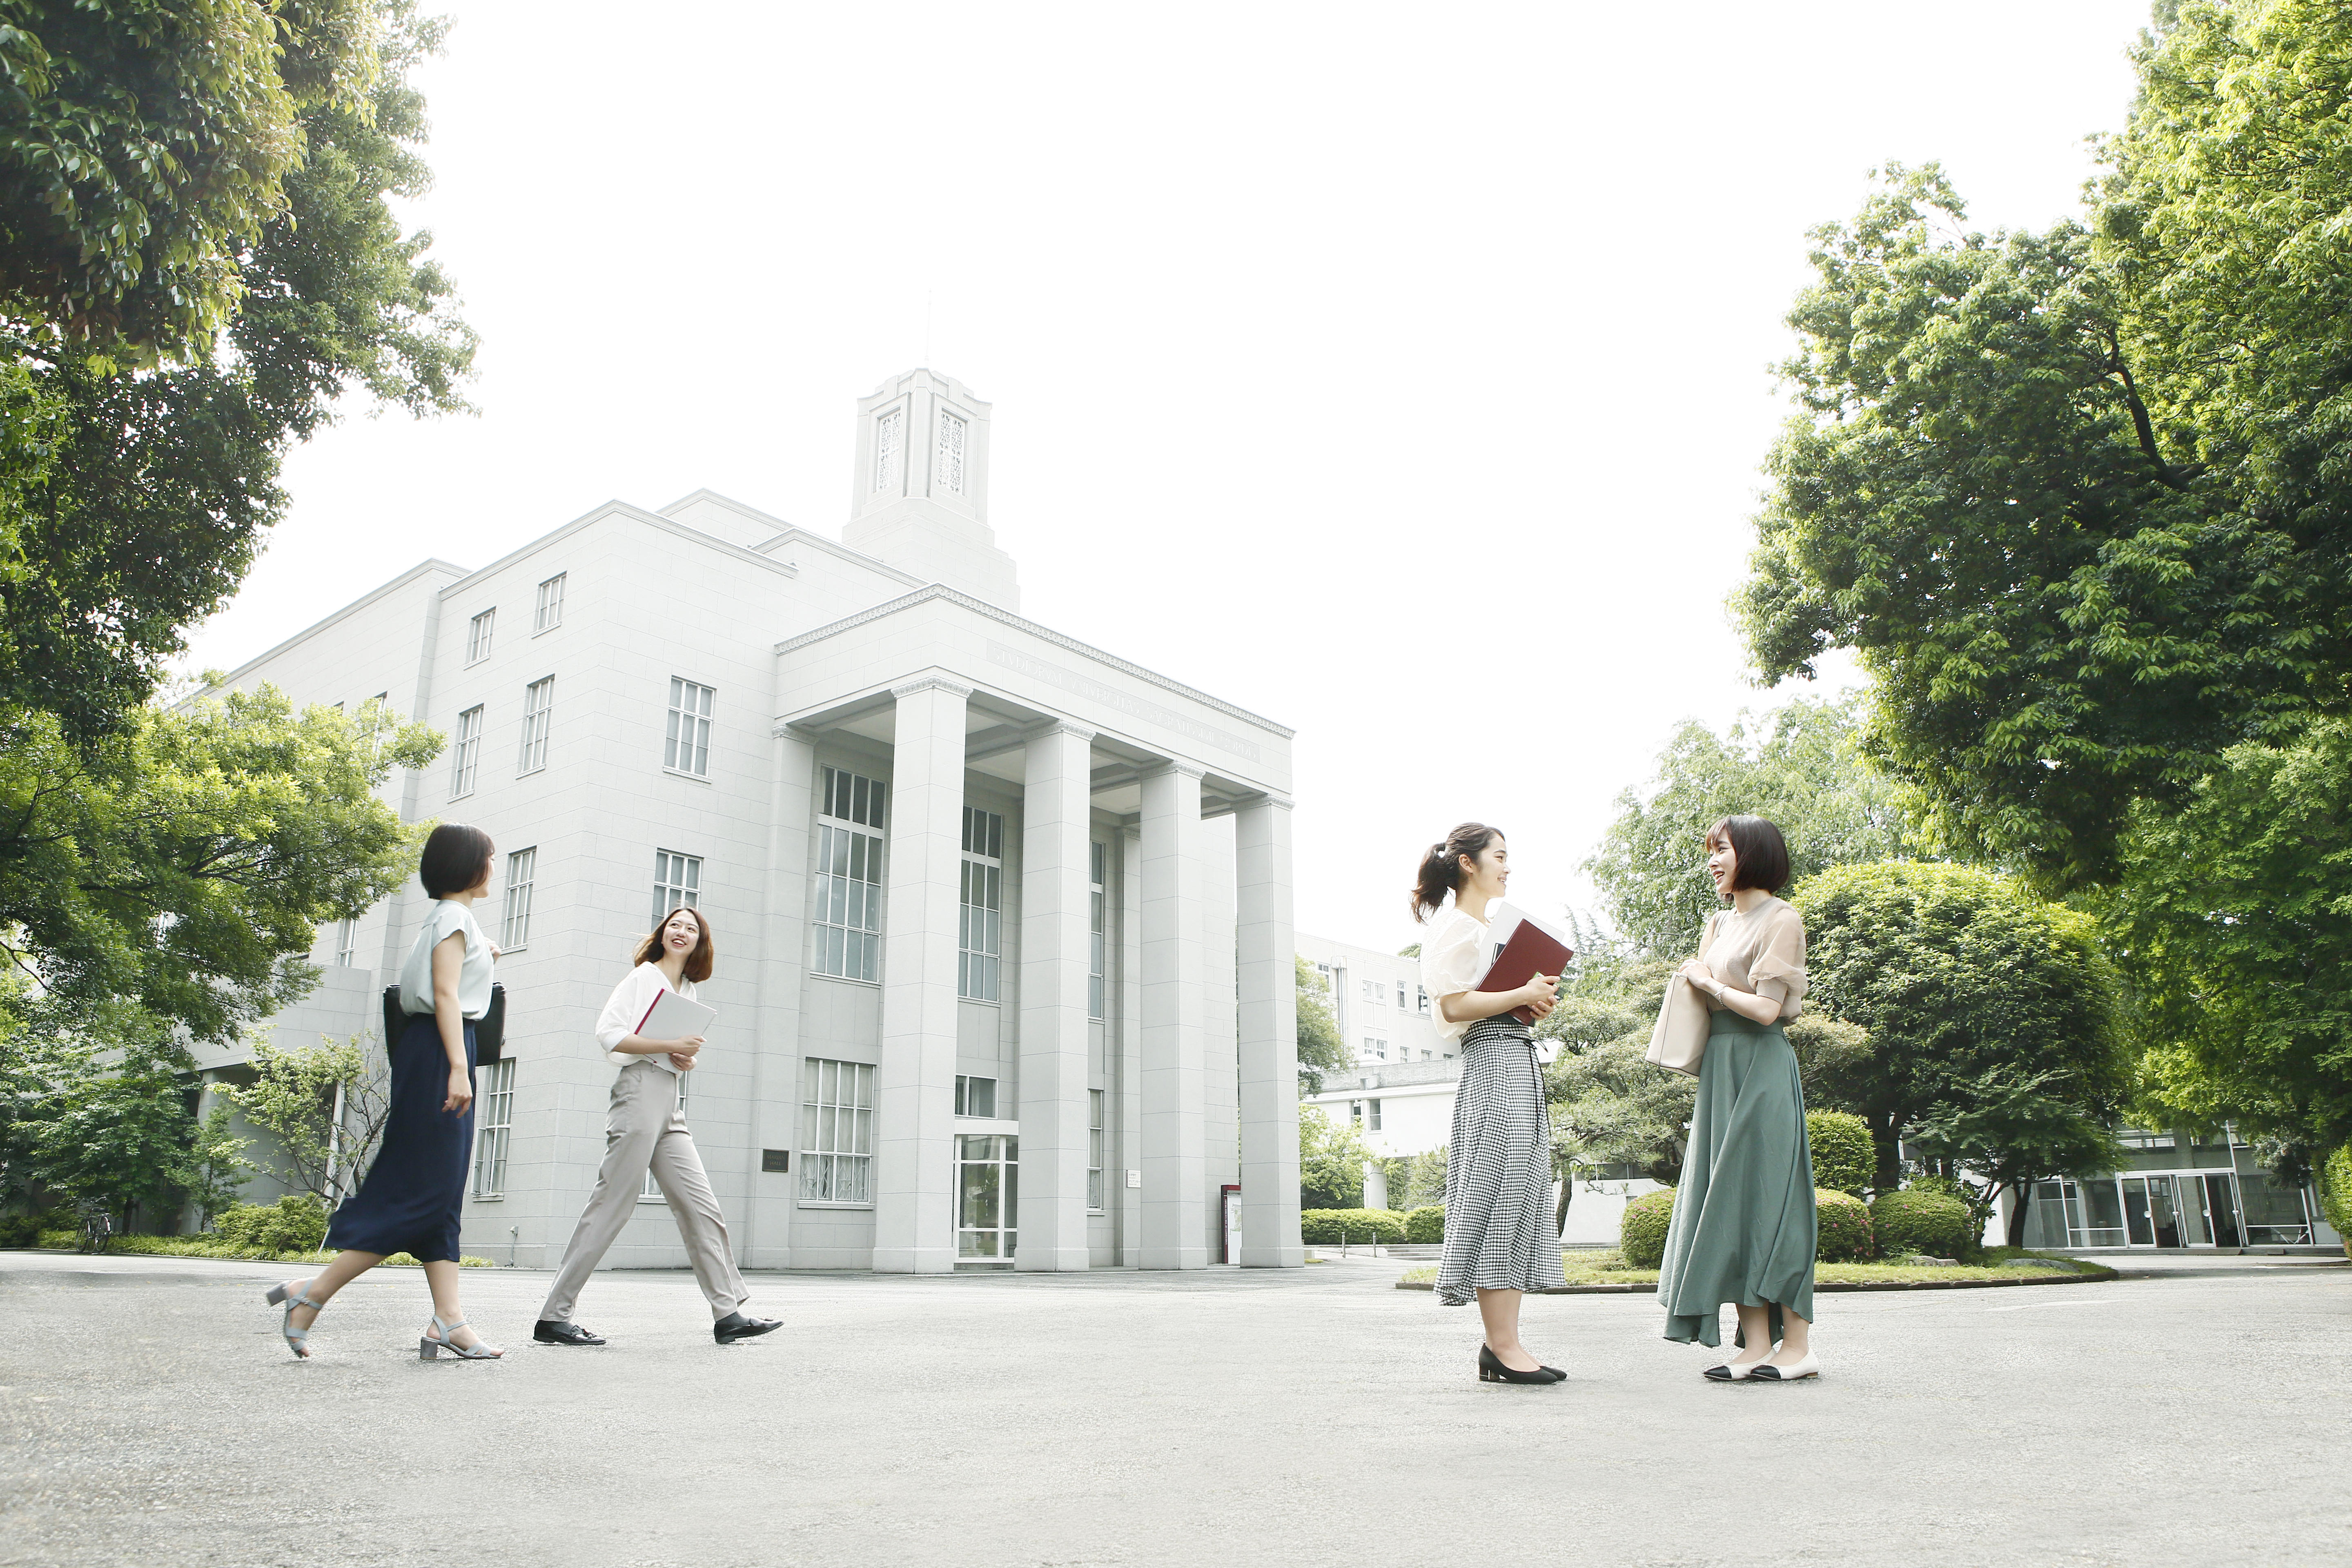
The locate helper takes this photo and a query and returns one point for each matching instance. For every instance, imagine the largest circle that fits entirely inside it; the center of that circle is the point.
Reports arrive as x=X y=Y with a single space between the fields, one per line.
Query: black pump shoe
x=736 y=1326
x=549 y=1331
x=1492 y=1369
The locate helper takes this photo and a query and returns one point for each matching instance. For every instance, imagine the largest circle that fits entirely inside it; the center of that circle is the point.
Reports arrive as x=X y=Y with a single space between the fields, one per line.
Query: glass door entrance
x=988 y=1196
x=2149 y=1211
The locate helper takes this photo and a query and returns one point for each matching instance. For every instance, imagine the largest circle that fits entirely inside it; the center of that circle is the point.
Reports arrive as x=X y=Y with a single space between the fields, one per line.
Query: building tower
x=920 y=500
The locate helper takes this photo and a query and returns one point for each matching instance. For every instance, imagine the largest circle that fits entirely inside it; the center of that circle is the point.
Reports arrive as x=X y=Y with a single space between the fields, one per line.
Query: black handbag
x=490 y=1029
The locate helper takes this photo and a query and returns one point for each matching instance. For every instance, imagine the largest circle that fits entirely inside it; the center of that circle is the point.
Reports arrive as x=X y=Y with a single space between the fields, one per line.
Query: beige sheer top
x=1761 y=952
x=1453 y=956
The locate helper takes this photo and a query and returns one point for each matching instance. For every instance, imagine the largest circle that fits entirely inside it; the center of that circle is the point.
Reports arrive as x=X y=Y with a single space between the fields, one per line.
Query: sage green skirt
x=1743 y=1228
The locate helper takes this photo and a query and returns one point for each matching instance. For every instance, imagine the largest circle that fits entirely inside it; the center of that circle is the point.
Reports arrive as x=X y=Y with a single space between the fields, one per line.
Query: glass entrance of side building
x=2161 y=1209
x=987 y=1195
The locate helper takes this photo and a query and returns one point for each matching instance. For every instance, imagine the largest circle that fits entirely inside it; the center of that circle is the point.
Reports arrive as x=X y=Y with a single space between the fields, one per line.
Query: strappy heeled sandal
x=290 y=1297
x=435 y=1340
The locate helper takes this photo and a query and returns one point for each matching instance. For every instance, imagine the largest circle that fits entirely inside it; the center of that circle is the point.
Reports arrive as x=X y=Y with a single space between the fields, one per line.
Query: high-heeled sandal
x=292 y=1296
x=431 y=1343
x=1492 y=1369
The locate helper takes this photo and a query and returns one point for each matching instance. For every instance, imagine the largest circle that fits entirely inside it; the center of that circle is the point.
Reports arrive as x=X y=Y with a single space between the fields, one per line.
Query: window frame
x=687 y=893
x=481 y=634
x=815 y=1159
x=537 y=726
x=862 y=819
x=493 y=1129
x=979 y=922
x=346 y=944
x=466 y=752
x=1098 y=930
x=699 y=751
x=547 y=610
x=1097 y=1190
x=514 y=925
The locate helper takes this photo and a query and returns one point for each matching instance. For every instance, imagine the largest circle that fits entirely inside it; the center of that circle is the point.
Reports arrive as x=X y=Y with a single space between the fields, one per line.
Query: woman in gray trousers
x=644 y=1129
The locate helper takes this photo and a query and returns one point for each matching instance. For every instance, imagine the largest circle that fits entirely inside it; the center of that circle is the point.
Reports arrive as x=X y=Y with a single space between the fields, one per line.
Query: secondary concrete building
x=1003 y=921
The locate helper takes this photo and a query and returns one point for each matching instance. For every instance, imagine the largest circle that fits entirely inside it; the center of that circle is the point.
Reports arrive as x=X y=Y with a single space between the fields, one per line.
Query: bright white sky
x=1400 y=373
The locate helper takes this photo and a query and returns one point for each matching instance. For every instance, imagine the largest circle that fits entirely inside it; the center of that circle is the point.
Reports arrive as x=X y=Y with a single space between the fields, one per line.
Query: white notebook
x=674 y=1017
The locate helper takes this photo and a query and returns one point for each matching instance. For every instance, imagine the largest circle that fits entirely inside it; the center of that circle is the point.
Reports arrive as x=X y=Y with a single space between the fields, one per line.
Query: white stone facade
x=1100 y=993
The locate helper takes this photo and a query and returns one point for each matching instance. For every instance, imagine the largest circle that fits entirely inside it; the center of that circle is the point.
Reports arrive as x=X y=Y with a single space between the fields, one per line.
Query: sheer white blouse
x=1453 y=956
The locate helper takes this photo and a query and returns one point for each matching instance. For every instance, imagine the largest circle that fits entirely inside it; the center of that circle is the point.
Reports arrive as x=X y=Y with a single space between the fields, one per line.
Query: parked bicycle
x=96 y=1229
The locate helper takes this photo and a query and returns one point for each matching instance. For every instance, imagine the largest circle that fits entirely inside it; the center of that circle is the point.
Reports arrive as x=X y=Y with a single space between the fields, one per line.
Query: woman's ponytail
x=1440 y=866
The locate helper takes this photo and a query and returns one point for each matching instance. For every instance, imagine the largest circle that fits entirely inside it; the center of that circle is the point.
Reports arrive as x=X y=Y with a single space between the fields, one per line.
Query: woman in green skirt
x=1744 y=1227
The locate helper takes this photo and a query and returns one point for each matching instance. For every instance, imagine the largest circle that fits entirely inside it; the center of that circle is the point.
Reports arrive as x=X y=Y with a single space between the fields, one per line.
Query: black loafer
x=736 y=1326
x=548 y=1332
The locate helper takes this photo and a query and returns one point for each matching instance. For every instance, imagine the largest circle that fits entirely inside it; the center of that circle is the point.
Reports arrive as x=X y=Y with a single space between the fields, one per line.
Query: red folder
x=1523 y=947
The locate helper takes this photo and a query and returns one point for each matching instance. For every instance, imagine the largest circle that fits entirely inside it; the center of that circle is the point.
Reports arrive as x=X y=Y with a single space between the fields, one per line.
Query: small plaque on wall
x=1135 y=1178
x=775 y=1159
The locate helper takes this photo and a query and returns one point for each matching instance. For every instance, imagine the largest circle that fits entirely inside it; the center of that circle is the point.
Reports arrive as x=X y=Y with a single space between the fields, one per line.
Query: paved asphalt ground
x=2195 y=1412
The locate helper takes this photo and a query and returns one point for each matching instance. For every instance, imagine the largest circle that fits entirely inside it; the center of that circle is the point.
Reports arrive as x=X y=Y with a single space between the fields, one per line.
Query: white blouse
x=1453 y=956
x=474 y=976
x=631 y=1000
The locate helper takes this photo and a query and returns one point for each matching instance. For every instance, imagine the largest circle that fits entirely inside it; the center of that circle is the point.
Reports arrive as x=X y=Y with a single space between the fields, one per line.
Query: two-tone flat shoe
x=1732 y=1371
x=1766 y=1372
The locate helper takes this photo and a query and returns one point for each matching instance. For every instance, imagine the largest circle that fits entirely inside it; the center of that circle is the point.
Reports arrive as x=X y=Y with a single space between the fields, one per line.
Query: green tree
x=1320 y=1050
x=2235 y=916
x=2013 y=1128
x=325 y=1107
x=144 y=147
x=140 y=496
x=1801 y=766
x=1969 y=987
x=1331 y=1158
x=183 y=863
x=1609 y=1105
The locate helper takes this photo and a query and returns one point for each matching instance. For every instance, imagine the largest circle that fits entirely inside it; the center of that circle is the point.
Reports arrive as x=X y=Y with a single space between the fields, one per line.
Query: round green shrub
x=1641 y=1234
x=295 y=1222
x=1845 y=1234
x=25 y=1229
x=1919 y=1220
x=1426 y=1224
x=1844 y=1158
x=2336 y=1194
x=1328 y=1227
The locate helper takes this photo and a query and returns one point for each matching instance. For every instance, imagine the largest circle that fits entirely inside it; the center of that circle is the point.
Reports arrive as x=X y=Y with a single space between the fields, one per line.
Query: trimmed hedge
x=1844 y=1158
x=25 y=1229
x=1845 y=1230
x=1916 y=1220
x=1642 y=1232
x=1425 y=1224
x=1328 y=1227
x=295 y=1222
x=2336 y=1194
x=209 y=1246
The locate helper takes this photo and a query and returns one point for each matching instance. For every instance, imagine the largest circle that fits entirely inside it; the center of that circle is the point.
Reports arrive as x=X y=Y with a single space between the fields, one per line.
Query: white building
x=1003 y=921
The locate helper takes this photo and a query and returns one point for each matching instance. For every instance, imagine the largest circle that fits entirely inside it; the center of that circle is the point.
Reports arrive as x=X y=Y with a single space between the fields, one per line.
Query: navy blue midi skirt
x=412 y=1198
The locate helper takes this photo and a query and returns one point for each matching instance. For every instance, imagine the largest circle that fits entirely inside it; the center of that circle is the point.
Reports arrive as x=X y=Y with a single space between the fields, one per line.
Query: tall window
x=1372 y=1124
x=687 y=747
x=478 y=635
x=493 y=1120
x=378 y=719
x=1095 y=1150
x=979 y=932
x=975 y=1096
x=465 y=756
x=549 y=611
x=1399 y=984
x=677 y=879
x=1421 y=994
x=950 y=466
x=837 y=1131
x=538 y=723
x=889 y=449
x=1372 y=989
x=1097 y=942
x=346 y=944
x=514 y=924
x=652 y=1189
x=849 y=876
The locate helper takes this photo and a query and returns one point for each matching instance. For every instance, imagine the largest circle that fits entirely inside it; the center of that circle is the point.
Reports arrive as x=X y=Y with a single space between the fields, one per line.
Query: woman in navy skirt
x=411 y=1198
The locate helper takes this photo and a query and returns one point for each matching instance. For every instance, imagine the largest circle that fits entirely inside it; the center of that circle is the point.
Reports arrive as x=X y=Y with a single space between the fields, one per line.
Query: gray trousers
x=644 y=1130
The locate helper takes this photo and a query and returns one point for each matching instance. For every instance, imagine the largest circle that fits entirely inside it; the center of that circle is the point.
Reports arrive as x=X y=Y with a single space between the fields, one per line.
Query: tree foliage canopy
x=1801 y=766
x=1970 y=986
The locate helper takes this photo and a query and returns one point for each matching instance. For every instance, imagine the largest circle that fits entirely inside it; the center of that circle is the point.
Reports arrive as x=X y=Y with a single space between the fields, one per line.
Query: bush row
x=1849 y=1230
x=208 y=1246
x=2336 y=1194
x=1426 y=1224
x=1328 y=1227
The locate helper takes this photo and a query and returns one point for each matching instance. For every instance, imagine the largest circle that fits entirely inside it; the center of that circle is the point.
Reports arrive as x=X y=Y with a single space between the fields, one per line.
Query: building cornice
x=929 y=683
x=634 y=514
x=941 y=591
x=423 y=568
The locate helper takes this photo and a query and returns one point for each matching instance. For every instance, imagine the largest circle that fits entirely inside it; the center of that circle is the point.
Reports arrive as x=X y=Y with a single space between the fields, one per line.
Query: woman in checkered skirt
x=1500 y=1241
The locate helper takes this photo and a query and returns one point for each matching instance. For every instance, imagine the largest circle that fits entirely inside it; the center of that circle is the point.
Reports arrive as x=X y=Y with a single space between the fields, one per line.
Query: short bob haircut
x=1759 y=853
x=455 y=858
x=698 y=962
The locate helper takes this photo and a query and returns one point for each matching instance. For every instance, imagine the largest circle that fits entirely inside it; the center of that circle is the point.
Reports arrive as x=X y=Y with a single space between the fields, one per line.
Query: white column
x=914 y=1095
x=1267 y=948
x=1057 y=794
x=1175 y=1203
x=774 y=1120
x=1127 y=1103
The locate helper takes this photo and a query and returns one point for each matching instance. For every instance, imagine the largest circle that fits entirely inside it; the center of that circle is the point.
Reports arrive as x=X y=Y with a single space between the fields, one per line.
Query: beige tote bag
x=1679 y=1040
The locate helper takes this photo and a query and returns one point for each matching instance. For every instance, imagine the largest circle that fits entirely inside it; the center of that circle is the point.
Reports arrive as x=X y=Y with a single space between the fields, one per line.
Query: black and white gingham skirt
x=1499 y=1234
